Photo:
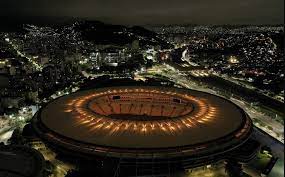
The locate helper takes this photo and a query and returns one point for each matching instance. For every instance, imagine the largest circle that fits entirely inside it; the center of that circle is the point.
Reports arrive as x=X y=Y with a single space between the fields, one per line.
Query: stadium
x=146 y=125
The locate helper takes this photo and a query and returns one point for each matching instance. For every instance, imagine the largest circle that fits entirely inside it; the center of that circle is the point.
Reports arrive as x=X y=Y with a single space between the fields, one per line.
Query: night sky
x=139 y=12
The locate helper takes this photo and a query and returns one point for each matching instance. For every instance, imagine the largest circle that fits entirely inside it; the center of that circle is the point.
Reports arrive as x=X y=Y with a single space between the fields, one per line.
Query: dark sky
x=151 y=11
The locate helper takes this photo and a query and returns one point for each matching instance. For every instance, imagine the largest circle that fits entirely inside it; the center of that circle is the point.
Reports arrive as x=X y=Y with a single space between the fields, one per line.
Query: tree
x=17 y=138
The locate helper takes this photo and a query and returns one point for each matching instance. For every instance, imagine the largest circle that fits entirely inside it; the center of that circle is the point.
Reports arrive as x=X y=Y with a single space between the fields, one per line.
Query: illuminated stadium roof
x=146 y=121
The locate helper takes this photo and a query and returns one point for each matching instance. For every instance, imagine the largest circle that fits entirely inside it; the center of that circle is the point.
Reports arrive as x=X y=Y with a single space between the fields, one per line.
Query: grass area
x=260 y=161
x=207 y=172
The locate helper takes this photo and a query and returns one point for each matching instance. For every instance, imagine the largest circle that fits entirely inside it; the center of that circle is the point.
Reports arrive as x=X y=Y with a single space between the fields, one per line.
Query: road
x=278 y=130
x=165 y=70
x=35 y=64
x=245 y=85
x=60 y=168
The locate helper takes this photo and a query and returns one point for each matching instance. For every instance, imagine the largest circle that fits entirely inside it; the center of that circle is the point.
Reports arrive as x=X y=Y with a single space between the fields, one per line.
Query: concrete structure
x=147 y=125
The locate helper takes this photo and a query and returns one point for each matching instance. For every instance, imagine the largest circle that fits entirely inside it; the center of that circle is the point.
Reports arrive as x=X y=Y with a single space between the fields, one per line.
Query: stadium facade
x=150 y=129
